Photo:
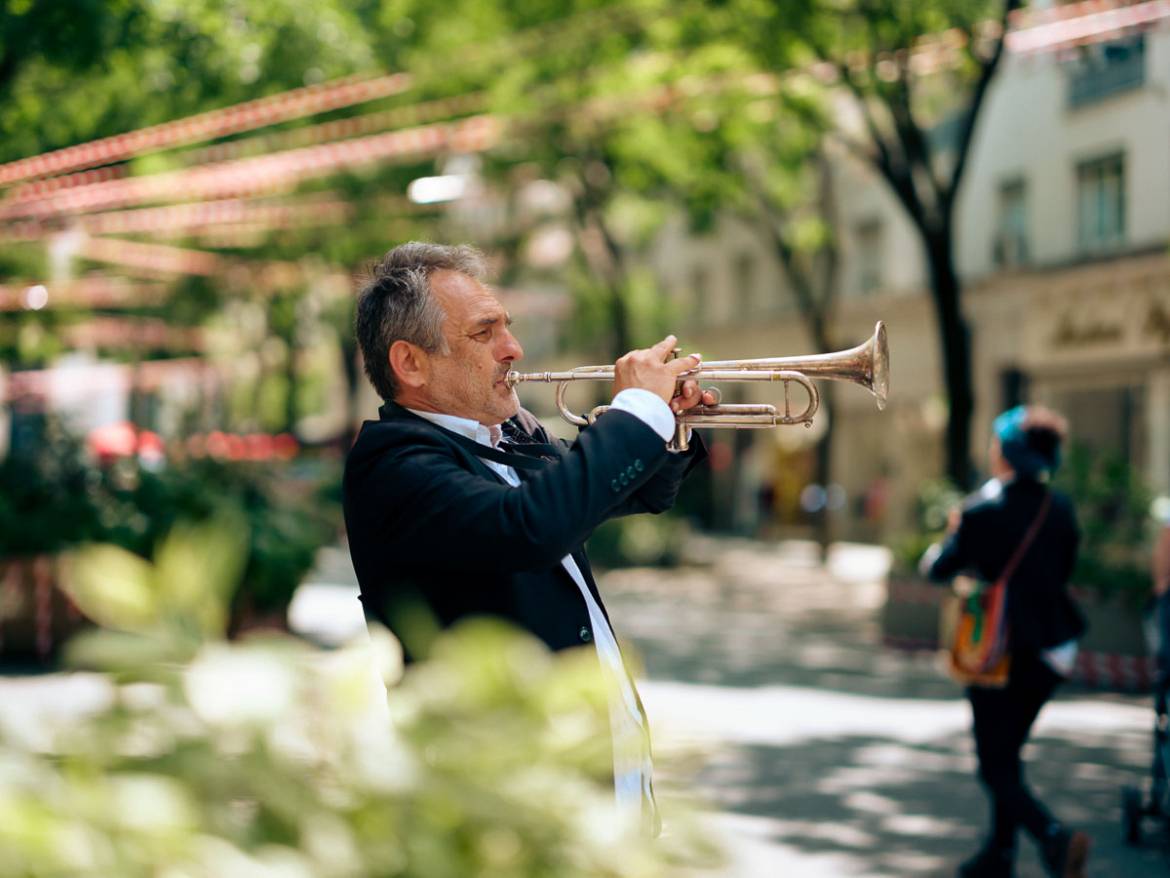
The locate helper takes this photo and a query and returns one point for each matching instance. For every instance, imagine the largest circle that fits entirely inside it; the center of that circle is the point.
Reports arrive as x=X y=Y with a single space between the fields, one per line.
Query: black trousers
x=1003 y=721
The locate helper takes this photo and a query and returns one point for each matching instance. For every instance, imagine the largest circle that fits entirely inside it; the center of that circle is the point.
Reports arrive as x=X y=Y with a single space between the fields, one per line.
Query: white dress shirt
x=632 y=765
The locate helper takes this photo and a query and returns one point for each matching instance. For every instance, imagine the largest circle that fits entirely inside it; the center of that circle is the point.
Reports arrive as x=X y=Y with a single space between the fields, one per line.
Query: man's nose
x=510 y=348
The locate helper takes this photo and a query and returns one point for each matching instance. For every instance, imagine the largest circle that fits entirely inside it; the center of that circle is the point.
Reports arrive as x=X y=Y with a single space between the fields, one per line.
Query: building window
x=1011 y=238
x=1101 y=204
x=1105 y=69
x=869 y=255
x=743 y=272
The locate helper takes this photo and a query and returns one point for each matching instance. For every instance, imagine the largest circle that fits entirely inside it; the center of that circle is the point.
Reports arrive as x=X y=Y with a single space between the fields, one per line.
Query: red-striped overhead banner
x=263 y=174
x=247 y=116
x=1079 y=23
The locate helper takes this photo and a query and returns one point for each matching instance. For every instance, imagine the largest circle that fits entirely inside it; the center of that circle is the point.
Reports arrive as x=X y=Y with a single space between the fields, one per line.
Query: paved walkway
x=823 y=754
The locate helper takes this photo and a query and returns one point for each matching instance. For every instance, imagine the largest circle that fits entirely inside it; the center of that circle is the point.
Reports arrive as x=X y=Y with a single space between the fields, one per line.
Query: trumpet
x=868 y=365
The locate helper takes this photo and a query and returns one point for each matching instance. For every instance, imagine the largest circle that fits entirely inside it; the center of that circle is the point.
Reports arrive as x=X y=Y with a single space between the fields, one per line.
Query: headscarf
x=1029 y=439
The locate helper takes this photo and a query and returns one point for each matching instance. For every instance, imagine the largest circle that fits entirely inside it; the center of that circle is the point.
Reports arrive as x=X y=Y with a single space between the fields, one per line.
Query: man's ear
x=409 y=364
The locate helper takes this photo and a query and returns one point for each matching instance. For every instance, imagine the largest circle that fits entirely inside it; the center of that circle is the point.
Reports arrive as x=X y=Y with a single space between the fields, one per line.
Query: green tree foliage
x=872 y=49
x=1113 y=507
x=83 y=69
x=582 y=93
x=71 y=34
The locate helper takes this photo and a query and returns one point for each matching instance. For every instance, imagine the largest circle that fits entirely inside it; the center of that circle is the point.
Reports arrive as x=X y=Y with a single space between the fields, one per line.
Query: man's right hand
x=650 y=369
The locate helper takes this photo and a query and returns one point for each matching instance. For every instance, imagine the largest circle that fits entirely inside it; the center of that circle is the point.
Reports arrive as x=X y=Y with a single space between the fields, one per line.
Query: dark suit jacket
x=432 y=528
x=1041 y=612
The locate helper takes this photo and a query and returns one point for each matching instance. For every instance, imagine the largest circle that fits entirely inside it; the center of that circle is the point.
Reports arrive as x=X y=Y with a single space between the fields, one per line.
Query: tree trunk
x=292 y=378
x=619 y=314
x=955 y=344
x=823 y=474
x=353 y=390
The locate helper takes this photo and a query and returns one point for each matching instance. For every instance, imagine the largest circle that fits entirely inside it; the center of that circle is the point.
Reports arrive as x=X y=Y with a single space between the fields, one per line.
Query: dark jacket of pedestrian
x=1040 y=611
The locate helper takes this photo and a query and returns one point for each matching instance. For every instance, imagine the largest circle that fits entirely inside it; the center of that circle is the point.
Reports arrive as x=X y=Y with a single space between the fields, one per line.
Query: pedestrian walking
x=1018 y=523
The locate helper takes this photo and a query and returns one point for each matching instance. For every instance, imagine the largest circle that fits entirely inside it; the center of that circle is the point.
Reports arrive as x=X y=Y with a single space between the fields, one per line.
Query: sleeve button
x=585 y=634
x=614 y=486
x=638 y=465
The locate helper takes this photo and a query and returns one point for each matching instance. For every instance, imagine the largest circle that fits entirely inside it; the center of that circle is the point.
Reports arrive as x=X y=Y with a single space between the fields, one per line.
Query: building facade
x=1063 y=248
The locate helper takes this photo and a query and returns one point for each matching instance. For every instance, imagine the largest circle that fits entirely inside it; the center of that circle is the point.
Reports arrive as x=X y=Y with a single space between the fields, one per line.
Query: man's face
x=469 y=380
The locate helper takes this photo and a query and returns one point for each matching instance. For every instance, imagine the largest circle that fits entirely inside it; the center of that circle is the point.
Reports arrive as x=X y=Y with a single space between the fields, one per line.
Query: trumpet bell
x=868 y=365
x=879 y=373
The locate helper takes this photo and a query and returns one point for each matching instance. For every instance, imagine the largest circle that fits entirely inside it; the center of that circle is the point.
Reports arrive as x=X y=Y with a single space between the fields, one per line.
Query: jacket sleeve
x=660 y=491
x=420 y=500
x=942 y=560
x=1069 y=561
x=952 y=555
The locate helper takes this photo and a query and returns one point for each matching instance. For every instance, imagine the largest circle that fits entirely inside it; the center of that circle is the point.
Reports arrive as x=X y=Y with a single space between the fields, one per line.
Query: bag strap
x=1006 y=575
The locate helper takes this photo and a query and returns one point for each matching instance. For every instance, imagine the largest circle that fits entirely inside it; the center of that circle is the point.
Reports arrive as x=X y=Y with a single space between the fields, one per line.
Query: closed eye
x=486 y=327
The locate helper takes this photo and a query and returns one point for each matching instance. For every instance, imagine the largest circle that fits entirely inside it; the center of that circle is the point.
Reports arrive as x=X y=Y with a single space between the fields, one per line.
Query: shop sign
x=1099 y=324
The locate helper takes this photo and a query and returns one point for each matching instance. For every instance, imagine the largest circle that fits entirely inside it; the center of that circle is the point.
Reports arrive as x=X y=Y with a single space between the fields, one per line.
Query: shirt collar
x=489 y=436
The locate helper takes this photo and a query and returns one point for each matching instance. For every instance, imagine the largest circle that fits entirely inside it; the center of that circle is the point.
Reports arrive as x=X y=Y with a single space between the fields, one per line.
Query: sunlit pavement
x=819 y=752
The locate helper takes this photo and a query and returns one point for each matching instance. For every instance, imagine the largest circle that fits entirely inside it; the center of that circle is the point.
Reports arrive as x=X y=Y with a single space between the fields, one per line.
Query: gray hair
x=395 y=304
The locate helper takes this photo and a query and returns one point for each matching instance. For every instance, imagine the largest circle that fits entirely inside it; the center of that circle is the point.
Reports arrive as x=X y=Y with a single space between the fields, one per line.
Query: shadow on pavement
x=749 y=622
x=880 y=807
x=835 y=756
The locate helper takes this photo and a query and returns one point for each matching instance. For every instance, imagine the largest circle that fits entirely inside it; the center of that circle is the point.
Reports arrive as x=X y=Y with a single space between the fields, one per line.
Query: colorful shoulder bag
x=979 y=652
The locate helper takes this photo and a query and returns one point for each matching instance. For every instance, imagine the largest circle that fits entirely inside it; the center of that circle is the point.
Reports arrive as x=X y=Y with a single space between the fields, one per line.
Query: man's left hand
x=690 y=396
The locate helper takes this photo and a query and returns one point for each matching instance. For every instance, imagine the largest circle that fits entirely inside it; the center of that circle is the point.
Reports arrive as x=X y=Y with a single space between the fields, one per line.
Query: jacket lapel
x=467 y=448
x=532 y=458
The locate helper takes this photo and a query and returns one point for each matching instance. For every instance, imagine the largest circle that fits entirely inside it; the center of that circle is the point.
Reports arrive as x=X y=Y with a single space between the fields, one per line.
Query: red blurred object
x=261 y=446
x=249 y=446
x=217 y=444
x=237 y=447
x=149 y=442
x=286 y=446
x=719 y=456
x=113 y=440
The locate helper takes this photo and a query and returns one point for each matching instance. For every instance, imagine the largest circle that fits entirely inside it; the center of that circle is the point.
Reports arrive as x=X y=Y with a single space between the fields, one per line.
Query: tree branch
x=883 y=159
x=856 y=148
x=978 y=94
x=798 y=278
x=910 y=132
x=830 y=255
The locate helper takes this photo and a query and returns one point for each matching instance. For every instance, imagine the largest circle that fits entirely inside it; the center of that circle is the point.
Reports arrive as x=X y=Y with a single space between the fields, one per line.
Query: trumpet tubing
x=866 y=365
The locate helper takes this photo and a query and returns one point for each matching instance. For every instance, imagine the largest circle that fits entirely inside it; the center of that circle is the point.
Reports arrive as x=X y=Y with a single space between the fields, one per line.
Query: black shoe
x=1065 y=854
x=990 y=862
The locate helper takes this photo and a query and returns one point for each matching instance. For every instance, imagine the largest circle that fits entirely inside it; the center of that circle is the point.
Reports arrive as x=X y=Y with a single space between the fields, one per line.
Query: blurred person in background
x=1161 y=609
x=459 y=503
x=1044 y=624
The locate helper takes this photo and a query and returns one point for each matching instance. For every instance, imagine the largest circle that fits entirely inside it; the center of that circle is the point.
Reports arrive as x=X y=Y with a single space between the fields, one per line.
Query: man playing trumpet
x=459 y=503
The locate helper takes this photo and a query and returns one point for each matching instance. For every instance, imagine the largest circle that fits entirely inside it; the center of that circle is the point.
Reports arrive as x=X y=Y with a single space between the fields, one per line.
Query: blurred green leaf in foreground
x=205 y=759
